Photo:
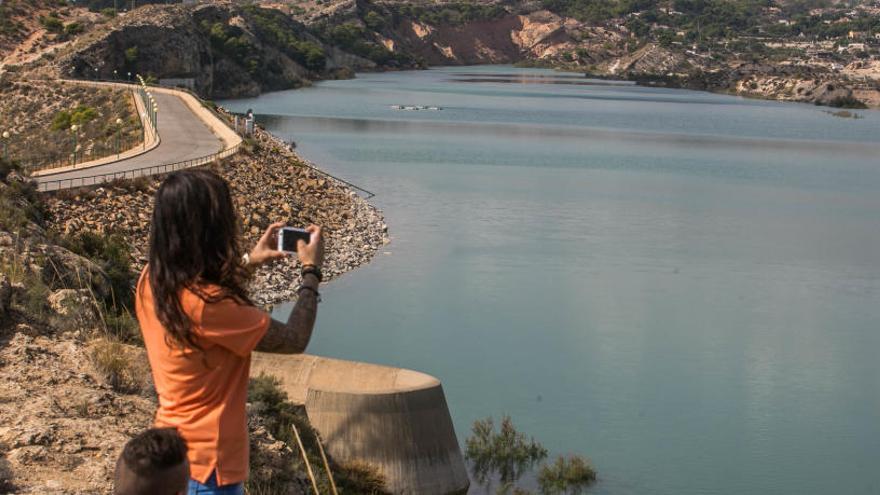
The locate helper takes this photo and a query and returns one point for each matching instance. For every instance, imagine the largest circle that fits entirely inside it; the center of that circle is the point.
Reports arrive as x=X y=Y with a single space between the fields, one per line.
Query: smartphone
x=287 y=237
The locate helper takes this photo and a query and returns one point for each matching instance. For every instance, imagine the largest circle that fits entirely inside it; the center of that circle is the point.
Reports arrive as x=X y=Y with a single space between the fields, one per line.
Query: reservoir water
x=682 y=286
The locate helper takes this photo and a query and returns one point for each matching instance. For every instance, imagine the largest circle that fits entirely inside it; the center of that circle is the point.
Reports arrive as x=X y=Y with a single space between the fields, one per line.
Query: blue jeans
x=210 y=487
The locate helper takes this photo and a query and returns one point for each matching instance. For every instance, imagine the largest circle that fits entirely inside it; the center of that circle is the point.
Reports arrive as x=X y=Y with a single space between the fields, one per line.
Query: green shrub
x=80 y=115
x=36 y=295
x=506 y=452
x=112 y=253
x=374 y=21
x=73 y=29
x=566 y=475
x=52 y=24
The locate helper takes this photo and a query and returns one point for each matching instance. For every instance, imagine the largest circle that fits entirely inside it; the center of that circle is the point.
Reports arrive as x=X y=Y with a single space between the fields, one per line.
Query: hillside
x=818 y=52
x=793 y=50
x=32 y=29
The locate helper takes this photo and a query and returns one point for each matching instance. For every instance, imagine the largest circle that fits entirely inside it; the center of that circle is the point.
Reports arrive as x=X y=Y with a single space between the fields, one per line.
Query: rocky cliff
x=228 y=51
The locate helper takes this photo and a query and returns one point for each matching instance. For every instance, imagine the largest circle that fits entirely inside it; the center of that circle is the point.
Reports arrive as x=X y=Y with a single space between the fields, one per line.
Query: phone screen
x=288 y=237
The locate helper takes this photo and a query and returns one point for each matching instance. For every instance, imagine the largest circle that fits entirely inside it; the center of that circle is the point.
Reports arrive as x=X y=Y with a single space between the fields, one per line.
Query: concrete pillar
x=394 y=419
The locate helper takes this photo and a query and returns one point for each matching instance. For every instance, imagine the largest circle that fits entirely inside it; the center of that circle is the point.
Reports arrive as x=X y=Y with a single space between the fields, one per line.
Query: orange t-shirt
x=203 y=393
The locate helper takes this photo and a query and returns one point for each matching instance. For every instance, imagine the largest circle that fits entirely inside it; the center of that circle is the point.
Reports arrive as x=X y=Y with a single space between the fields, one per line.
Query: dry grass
x=29 y=110
x=360 y=477
x=124 y=367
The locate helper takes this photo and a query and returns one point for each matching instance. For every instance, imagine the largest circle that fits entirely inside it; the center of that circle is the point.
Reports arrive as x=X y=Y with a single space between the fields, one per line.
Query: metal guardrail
x=92 y=180
x=59 y=184
x=337 y=179
x=99 y=151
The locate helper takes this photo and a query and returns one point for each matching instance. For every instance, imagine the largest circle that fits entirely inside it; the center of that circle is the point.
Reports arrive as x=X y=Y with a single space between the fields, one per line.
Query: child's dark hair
x=154 y=451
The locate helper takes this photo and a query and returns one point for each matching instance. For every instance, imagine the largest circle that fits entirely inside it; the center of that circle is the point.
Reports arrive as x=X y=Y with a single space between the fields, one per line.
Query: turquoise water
x=684 y=287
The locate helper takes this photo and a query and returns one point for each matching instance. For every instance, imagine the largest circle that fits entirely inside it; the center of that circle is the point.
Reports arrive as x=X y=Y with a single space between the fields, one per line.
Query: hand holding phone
x=289 y=237
x=265 y=250
x=311 y=252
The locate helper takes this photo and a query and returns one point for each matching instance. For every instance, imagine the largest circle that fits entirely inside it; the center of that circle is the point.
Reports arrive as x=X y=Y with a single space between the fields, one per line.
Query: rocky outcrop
x=650 y=59
x=165 y=42
x=507 y=39
x=64 y=269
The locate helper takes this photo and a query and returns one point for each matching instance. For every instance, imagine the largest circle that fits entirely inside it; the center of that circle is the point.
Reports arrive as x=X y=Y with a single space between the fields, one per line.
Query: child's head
x=153 y=463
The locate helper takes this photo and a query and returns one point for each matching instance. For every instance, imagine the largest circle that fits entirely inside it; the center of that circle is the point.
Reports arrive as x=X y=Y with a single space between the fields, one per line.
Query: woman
x=199 y=326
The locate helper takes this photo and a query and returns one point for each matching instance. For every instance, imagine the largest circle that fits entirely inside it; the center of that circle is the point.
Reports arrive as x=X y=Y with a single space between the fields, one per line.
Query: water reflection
x=693 y=290
x=692 y=140
x=537 y=80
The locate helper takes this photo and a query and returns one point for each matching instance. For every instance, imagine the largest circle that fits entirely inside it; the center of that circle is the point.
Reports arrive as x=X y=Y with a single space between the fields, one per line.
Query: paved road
x=183 y=137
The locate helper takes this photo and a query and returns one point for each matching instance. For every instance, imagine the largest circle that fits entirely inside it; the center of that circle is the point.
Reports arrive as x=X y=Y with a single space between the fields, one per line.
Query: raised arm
x=293 y=336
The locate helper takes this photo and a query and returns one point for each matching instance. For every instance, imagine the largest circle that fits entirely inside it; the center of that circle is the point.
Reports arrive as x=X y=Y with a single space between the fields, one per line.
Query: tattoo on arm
x=293 y=337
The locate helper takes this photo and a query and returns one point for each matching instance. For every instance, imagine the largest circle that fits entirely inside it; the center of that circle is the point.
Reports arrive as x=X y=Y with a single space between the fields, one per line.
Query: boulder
x=66 y=270
x=77 y=305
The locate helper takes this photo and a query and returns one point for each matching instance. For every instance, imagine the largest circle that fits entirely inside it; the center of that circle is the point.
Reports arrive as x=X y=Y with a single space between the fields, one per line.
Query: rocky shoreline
x=270 y=183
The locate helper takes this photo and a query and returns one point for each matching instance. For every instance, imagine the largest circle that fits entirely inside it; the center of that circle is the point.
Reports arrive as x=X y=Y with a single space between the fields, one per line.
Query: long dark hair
x=193 y=243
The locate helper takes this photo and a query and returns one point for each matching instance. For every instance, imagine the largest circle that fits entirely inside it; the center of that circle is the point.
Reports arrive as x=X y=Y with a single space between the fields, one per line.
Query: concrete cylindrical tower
x=394 y=419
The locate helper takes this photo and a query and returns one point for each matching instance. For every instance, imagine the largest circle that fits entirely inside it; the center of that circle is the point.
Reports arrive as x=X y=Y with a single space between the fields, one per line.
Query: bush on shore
x=506 y=454
x=571 y=474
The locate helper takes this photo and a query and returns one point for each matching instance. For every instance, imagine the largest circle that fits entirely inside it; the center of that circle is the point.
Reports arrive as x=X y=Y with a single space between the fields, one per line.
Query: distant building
x=857 y=35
